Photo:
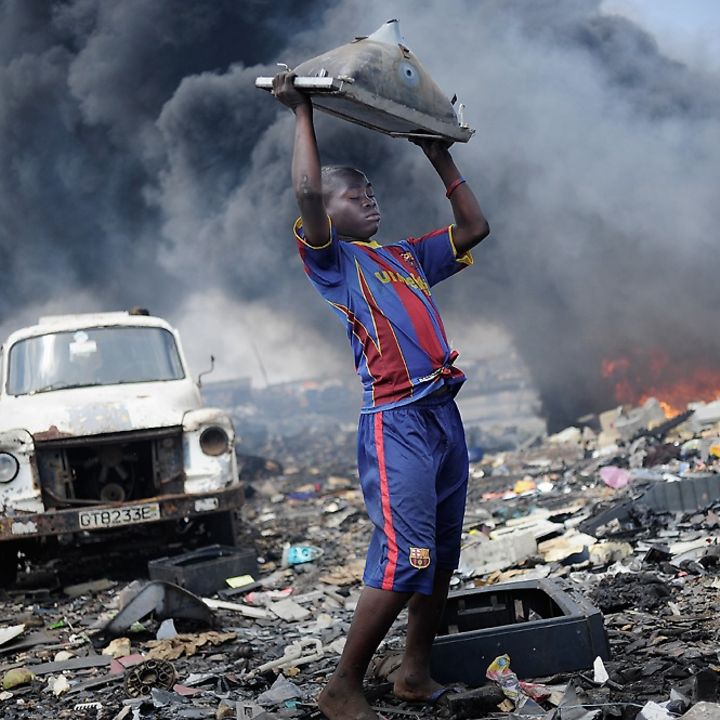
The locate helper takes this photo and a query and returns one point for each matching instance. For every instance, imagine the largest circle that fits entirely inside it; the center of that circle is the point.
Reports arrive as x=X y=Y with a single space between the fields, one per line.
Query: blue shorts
x=413 y=466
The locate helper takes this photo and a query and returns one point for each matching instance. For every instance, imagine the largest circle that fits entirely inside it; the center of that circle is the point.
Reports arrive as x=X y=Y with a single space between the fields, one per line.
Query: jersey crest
x=408 y=258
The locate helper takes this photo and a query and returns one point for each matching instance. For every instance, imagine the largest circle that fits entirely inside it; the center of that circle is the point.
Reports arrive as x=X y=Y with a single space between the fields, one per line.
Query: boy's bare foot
x=414 y=689
x=339 y=702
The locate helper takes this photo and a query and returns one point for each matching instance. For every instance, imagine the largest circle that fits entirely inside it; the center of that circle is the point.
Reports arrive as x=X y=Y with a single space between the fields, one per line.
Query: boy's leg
x=413 y=682
x=342 y=698
x=392 y=451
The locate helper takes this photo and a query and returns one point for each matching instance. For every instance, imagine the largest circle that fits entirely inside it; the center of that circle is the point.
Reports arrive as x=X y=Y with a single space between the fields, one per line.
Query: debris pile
x=623 y=511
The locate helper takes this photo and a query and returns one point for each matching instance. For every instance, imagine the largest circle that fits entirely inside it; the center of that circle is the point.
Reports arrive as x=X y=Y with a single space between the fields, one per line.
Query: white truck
x=102 y=429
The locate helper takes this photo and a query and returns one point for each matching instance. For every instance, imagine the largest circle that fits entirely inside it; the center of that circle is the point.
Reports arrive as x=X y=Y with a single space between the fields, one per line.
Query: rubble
x=643 y=549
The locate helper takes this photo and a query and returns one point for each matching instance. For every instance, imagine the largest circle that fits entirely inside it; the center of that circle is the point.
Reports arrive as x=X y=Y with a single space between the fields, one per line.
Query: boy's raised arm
x=471 y=226
x=306 y=179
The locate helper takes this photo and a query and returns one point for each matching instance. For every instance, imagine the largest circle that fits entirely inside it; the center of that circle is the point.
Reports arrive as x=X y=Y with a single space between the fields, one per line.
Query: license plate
x=113 y=517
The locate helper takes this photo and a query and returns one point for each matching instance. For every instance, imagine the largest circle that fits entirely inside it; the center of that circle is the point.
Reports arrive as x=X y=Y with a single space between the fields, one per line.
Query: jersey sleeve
x=438 y=256
x=323 y=265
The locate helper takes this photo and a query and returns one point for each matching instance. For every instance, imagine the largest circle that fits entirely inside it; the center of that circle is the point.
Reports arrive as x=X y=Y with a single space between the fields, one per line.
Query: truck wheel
x=221 y=528
x=8 y=564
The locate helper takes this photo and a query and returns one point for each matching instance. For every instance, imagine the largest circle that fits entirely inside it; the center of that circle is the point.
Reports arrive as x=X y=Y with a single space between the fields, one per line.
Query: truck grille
x=110 y=468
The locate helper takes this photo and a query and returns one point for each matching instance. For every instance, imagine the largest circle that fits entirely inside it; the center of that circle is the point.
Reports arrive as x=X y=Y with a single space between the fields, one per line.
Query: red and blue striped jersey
x=382 y=294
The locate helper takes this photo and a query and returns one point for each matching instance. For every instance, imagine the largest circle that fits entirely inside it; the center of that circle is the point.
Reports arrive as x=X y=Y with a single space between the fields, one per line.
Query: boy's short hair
x=332 y=176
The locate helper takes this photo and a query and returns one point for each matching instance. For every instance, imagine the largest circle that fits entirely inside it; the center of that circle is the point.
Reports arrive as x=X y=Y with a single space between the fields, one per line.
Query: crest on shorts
x=419 y=557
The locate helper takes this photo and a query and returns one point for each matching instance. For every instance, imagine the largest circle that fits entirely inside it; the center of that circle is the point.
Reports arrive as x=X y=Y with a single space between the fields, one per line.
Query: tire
x=8 y=564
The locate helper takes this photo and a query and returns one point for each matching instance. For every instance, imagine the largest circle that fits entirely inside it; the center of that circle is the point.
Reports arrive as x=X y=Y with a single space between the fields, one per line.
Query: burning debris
x=639 y=376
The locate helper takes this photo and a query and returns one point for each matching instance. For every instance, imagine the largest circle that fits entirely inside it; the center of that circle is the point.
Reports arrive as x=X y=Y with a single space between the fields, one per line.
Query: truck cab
x=102 y=428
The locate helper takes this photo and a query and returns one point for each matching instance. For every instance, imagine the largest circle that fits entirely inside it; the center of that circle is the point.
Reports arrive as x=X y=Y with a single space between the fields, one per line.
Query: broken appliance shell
x=204 y=571
x=689 y=494
x=544 y=628
x=378 y=82
x=164 y=600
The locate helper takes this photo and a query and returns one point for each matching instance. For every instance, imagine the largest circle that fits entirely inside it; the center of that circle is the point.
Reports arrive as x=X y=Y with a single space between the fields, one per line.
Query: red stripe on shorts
x=389 y=576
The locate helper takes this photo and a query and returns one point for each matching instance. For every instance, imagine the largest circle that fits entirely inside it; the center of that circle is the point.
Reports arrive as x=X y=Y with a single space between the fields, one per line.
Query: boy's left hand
x=434 y=149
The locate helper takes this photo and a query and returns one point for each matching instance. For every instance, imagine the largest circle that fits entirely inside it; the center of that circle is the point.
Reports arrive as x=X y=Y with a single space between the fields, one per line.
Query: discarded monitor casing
x=377 y=82
x=164 y=600
x=203 y=571
x=542 y=627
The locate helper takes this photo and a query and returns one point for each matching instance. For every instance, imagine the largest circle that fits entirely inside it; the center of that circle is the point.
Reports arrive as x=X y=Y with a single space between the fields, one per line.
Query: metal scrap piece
x=377 y=82
x=76 y=663
x=163 y=599
x=27 y=641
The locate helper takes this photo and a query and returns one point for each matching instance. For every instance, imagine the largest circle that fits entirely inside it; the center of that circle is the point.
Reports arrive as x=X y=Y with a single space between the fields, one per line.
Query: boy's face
x=351 y=204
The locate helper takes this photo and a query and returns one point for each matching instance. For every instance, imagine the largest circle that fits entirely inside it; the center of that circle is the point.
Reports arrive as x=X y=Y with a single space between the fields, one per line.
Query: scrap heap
x=625 y=511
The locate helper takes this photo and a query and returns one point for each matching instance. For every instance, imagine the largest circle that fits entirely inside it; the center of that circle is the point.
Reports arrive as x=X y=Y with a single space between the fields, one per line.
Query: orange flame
x=642 y=375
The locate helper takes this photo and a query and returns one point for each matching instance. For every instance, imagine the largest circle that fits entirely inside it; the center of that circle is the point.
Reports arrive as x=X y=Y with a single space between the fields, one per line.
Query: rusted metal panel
x=108 y=438
x=52 y=433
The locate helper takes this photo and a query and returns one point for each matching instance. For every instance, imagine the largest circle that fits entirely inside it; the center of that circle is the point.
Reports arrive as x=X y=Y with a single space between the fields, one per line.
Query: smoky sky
x=139 y=165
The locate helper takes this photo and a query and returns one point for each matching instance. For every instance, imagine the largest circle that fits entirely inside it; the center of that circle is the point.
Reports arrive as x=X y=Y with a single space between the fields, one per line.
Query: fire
x=642 y=375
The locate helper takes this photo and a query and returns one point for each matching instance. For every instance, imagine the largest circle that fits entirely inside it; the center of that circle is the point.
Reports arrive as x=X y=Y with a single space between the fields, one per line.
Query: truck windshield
x=92 y=356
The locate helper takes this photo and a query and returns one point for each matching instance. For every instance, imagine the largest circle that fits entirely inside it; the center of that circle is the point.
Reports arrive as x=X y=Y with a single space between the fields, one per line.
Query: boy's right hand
x=283 y=88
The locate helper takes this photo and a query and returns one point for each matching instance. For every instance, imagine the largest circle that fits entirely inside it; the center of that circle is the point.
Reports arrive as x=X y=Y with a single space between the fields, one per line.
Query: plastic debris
x=166 y=630
x=289 y=610
x=499 y=672
x=600 y=674
x=10 y=633
x=239 y=581
x=299 y=554
x=280 y=691
x=615 y=477
x=652 y=711
x=298 y=653
x=58 y=685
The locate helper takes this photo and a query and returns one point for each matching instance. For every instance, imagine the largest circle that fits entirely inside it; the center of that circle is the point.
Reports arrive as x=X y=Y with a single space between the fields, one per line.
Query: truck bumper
x=171 y=507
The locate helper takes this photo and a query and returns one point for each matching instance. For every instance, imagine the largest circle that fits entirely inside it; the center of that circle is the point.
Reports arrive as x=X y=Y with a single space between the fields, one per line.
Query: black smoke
x=139 y=165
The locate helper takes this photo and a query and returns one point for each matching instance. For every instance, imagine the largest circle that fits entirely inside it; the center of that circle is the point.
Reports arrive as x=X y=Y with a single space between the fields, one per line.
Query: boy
x=412 y=458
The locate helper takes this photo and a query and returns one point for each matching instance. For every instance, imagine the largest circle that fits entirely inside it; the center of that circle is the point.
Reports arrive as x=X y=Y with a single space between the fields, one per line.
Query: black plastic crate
x=542 y=627
x=203 y=571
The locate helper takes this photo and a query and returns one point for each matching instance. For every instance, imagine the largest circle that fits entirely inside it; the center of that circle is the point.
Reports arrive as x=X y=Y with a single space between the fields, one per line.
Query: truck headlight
x=214 y=441
x=9 y=467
